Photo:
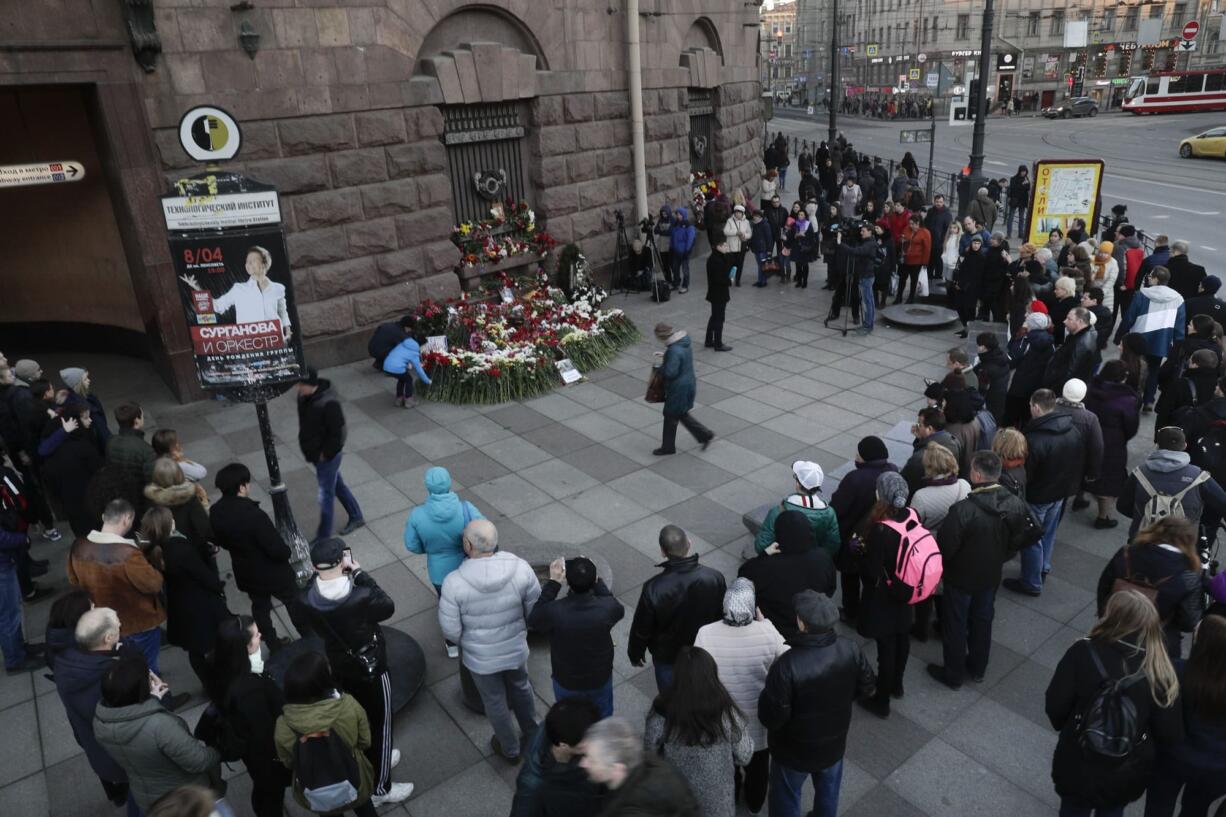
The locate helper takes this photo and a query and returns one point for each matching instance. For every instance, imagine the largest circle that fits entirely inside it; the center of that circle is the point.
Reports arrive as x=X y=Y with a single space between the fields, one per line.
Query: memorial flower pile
x=504 y=344
x=511 y=230
x=704 y=187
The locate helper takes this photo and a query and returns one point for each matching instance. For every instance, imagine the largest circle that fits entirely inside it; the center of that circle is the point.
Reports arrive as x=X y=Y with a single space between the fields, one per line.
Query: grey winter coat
x=155 y=747
x=484 y=608
x=983 y=210
x=705 y=768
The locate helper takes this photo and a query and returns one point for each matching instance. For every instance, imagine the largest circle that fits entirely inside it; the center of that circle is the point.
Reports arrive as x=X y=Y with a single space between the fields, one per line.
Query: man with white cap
x=737 y=232
x=809 y=478
x=1071 y=402
x=806 y=708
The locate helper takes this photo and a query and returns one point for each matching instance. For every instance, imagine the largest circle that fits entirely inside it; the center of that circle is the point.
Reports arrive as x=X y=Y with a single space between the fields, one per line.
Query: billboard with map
x=1063 y=190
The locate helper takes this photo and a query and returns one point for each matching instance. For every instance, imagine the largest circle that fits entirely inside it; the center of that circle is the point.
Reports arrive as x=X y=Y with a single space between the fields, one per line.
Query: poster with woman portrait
x=237 y=294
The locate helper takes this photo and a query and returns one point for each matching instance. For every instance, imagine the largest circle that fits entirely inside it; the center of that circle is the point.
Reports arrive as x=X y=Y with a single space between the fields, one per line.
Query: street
x=1164 y=193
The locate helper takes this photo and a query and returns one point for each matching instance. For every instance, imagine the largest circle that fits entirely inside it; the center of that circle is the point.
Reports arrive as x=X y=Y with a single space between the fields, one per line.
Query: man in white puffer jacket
x=484 y=608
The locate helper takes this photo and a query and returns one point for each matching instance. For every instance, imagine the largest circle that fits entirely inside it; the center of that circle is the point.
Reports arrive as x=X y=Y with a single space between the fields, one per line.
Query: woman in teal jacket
x=437 y=530
x=676 y=366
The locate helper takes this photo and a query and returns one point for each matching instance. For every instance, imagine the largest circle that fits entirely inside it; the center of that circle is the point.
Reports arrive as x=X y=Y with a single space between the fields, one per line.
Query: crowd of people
x=756 y=679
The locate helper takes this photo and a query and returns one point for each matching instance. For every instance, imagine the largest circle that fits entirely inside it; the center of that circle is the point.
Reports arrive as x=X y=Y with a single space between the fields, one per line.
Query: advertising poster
x=238 y=298
x=1063 y=191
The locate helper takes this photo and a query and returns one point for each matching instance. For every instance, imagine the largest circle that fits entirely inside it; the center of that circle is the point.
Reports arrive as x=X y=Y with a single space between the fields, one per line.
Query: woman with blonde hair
x=1126 y=645
x=1010 y=445
x=1163 y=560
x=941 y=489
x=171 y=489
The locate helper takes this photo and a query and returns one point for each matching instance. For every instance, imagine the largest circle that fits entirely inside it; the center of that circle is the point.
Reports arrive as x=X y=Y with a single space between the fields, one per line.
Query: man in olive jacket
x=979 y=534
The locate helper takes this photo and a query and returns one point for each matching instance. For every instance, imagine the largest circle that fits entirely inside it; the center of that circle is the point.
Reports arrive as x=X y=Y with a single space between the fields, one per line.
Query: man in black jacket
x=1054 y=465
x=321 y=436
x=992 y=371
x=580 y=646
x=852 y=500
x=936 y=222
x=345 y=606
x=388 y=336
x=979 y=534
x=806 y=707
x=858 y=261
x=1017 y=200
x=1185 y=276
x=719 y=271
x=260 y=557
x=1206 y=301
x=674 y=605
x=1078 y=354
x=792 y=564
x=551 y=782
x=640 y=784
x=776 y=216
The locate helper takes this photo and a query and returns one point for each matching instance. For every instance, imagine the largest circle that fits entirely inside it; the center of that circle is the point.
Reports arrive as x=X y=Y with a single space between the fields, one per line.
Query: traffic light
x=974 y=97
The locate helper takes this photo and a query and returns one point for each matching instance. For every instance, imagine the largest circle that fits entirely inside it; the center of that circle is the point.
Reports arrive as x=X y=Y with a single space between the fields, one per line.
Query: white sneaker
x=398 y=793
x=395 y=758
x=453 y=650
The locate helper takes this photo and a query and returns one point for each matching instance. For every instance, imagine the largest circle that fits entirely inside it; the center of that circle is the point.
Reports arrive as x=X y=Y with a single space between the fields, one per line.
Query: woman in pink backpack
x=883 y=616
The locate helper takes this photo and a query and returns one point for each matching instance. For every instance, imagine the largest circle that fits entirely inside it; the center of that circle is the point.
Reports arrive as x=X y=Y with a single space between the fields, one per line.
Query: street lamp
x=833 y=97
x=976 y=178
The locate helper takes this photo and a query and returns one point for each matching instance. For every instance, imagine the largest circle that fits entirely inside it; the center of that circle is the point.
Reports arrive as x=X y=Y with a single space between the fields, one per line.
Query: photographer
x=854 y=262
x=345 y=606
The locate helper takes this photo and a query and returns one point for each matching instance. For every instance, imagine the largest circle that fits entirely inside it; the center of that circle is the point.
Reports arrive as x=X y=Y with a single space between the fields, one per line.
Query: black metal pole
x=932 y=144
x=282 y=512
x=833 y=96
x=981 y=101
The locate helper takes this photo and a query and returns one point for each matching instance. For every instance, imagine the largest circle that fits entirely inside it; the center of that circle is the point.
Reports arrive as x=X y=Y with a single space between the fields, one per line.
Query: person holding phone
x=345 y=606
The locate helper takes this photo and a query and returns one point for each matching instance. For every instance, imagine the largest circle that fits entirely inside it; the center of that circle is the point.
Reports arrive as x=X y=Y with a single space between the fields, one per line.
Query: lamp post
x=833 y=96
x=976 y=178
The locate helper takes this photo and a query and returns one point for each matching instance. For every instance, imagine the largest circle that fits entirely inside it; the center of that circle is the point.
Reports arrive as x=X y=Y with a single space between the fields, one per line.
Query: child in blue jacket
x=403 y=361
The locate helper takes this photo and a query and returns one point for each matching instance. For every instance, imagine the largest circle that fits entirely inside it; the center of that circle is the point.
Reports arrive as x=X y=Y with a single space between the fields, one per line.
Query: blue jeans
x=1020 y=212
x=1152 y=364
x=149 y=642
x=966 y=631
x=783 y=178
x=1068 y=809
x=332 y=486
x=603 y=697
x=868 y=304
x=761 y=258
x=786 y=784
x=681 y=270
x=1036 y=558
x=664 y=675
x=12 y=638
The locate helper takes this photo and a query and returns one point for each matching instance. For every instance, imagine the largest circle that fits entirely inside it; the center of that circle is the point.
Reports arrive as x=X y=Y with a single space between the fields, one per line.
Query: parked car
x=1210 y=143
x=1076 y=106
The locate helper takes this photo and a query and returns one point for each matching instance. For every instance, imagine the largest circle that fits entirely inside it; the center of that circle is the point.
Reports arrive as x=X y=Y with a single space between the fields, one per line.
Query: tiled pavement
x=576 y=466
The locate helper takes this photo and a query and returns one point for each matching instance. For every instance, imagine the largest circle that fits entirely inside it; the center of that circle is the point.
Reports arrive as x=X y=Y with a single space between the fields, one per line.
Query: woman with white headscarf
x=744 y=645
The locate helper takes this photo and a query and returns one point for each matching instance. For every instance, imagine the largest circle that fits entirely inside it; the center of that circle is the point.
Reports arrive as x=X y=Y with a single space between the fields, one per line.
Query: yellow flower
x=465 y=229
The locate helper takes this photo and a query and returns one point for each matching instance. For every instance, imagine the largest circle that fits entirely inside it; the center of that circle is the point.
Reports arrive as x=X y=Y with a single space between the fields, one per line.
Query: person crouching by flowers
x=403 y=361
x=676 y=366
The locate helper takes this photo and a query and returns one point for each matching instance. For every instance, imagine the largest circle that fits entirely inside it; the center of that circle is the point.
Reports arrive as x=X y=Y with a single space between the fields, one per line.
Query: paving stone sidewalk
x=576 y=466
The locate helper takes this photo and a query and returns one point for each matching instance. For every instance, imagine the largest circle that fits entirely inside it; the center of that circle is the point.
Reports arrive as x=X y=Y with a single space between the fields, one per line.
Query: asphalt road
x=1185 y=198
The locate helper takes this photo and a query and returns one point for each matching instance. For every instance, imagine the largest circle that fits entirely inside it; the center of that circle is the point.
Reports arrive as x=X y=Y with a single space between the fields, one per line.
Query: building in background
x=782 y=66
x=1043 y=49
x=375 y=120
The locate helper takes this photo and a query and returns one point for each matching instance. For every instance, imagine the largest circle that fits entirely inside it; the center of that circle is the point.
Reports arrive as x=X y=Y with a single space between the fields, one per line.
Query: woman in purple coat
x=1117 y=407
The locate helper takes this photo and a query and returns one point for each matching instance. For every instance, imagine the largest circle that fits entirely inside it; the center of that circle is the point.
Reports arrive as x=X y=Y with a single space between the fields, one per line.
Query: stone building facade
x=370 y=117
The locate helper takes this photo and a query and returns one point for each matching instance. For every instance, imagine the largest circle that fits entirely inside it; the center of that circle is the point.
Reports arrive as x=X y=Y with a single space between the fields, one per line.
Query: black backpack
x=1109 y=727
x=326 y=771
x=1209 y=452
x=216 y=728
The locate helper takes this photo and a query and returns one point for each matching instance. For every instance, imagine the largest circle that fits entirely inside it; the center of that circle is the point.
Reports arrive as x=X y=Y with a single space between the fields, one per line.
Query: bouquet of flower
x=511 y=230
x=501 y=348
x=704 y=187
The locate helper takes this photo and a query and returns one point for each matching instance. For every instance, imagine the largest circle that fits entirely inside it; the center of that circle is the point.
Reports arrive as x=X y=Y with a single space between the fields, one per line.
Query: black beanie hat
x=872 y=448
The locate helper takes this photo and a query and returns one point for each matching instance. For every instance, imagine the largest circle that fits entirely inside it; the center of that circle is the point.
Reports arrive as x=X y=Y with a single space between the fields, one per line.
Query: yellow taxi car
x=1210 y=143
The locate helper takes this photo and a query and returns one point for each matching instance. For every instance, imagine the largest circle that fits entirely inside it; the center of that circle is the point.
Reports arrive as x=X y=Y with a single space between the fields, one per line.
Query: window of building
x=1179 y=15
x=924 y=31
x=1130 y=19
x=787 y=51
x=1155 y=11
x=1057 y=21
x=701 y=104
x=483 y=141
x=964 y=26
x=787 y=28
x=1032 y=24
x=1108 y=21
